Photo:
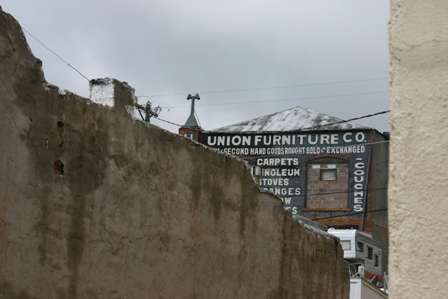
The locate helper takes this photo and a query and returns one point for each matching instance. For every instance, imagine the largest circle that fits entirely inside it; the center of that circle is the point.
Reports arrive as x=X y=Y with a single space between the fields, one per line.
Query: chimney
x=113 y=93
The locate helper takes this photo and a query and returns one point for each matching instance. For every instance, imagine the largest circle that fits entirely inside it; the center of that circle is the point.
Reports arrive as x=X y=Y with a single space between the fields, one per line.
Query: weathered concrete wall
x=135 y=212
x=377 y=221
x=419 y=178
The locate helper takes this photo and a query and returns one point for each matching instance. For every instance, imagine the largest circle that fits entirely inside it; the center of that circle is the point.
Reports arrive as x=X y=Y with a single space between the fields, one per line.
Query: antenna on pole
x=191 y=129
x=192 y=122
x=193 y=99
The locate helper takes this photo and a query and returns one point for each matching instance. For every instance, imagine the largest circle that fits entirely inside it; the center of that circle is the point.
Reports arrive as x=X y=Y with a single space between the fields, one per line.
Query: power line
x=293 y=85
x=235 y=90
x=230 y=90
x=377 y=142
x=343 y=192
x=325 y=125
x=55 y=54
x=167 y=121
x=286 y=99
x=197 y=117
x=336 y=192
x=350 y=214
x=347 y=120
x=239 y=89
x=296 y=99
x=72 y=66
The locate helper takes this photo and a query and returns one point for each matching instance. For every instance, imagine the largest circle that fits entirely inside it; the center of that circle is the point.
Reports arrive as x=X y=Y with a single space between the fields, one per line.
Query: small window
x=328 y=174
x=346 y=245
x=369 y=252
x=376 y=260
x=360 y=246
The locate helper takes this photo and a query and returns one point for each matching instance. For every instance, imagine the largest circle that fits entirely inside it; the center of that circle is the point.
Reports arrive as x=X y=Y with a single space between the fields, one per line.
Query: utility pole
x=148 y=111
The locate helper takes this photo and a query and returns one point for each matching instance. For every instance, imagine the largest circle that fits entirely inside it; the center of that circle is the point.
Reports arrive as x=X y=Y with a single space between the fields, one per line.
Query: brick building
x=333 y=174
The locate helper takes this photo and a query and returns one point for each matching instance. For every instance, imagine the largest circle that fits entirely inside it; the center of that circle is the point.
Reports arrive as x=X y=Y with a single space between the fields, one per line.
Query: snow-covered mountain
x=296 y=118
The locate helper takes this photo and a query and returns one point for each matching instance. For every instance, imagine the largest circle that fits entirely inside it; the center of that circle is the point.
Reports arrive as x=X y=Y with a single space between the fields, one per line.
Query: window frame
x=341 y=183
x=346 y=242
x=369 y=252
x=360 y=246
x=328 y=170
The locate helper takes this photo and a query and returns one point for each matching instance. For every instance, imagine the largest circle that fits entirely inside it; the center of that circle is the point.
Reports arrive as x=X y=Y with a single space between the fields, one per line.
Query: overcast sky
x=171 y=48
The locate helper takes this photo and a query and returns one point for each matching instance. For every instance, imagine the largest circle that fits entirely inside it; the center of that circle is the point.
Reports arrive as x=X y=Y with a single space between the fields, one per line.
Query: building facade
x=319 y=174
x=336 y=177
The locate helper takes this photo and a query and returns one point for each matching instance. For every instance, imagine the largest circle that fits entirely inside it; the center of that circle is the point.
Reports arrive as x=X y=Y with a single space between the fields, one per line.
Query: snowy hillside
x=296 y=118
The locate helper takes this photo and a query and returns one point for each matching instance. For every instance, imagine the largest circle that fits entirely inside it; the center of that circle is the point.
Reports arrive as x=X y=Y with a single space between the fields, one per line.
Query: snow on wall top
x=102 y=91
x=296 y=118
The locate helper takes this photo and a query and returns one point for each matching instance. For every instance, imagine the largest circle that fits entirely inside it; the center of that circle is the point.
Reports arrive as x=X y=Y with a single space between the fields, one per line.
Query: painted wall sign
x=279 y=161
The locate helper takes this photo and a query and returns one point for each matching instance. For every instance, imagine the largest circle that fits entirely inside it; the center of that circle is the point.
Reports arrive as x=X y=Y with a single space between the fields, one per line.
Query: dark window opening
x=369 y=252
x=360 y=246
x=58 y=167
x=376 y=261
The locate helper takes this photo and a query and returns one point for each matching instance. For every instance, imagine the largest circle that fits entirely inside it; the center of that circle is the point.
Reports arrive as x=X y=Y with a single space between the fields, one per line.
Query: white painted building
x=361 y=289
x=365 y=259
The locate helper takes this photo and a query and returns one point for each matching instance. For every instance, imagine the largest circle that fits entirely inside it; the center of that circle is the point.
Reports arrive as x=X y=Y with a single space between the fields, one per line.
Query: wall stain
x=83 y=145
x=215 y=196
x=196 y=181
x=8 y=292
x=249 y=203
x=75 y=243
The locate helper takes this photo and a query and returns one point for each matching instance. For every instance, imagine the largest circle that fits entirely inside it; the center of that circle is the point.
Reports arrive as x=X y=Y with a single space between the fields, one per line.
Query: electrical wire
x=289 y=99
x=55 y=54
x=197 y=117
x=350 y=214
x=325 y=125
x=239 y=89
x=324 y=193
x=347 y=120
x=167 y=121
x=235 y=90
x=343 y=192
x=70 y=65
x=377 y=142
x=293 y=99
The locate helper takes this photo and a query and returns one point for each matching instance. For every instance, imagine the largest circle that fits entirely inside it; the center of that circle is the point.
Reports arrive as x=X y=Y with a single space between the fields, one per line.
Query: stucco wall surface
x=419 y=149
x=137 y=212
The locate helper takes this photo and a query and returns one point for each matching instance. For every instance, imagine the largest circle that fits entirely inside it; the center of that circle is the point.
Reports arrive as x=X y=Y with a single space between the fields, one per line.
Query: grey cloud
x=191 y=46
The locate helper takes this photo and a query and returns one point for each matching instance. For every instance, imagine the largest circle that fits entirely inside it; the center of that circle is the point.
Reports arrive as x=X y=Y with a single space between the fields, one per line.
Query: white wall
x=355 y=288
x=360 y=289
x=418 y=190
